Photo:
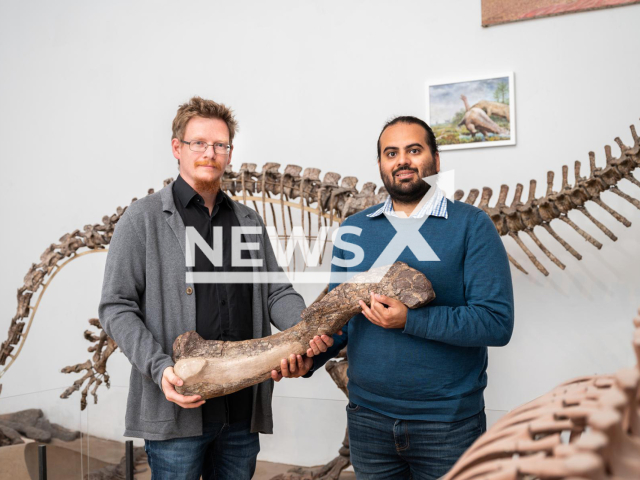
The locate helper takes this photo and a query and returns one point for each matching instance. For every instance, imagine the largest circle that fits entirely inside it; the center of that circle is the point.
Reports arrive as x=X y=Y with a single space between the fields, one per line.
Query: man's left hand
x=385 y=312
x=297 y=365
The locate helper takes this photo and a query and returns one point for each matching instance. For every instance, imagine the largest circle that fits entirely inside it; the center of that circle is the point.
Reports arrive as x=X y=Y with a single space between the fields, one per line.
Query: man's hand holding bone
x=297 y=365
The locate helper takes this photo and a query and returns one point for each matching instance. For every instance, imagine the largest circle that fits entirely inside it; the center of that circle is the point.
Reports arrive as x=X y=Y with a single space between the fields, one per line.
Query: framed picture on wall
x=472 y=113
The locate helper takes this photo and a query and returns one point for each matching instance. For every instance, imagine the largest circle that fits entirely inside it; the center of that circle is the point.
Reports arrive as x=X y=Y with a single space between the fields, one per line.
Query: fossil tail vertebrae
x=524 y=217
x=212 y=368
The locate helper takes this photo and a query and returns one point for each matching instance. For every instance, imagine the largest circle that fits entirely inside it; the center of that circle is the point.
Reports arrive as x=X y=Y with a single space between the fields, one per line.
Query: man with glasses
x=147 y=301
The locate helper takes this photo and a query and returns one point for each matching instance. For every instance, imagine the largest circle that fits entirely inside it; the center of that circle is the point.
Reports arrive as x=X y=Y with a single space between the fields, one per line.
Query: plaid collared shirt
x=435 y=205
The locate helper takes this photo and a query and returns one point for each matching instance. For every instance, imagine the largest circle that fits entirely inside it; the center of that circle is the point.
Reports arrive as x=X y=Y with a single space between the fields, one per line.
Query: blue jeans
x=385 y=448
x=223 y=452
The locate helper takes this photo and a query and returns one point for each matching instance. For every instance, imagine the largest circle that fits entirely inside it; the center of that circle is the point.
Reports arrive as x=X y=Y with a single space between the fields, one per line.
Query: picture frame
x=472 y=113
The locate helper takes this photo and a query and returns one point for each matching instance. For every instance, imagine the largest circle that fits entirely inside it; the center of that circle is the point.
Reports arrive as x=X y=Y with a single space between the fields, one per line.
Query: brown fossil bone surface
x=212 y=368
x=586 y=428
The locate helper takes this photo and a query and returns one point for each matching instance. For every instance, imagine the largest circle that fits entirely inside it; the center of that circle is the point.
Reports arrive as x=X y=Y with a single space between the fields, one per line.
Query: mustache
x=207 y=164
x=404 y=169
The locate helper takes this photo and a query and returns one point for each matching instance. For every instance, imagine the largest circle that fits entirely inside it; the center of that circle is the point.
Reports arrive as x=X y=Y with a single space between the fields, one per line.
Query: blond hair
x=199 y=107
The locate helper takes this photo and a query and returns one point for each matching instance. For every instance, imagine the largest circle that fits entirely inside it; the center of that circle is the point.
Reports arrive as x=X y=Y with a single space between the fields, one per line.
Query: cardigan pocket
x=155 y=407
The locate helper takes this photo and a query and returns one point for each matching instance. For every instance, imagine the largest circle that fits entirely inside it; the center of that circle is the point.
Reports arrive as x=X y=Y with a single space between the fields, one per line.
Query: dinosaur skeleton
x=304 y=190
x=585 y=429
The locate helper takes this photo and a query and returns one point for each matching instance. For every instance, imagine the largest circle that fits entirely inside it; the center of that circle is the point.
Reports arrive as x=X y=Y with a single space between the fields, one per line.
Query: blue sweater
x=435 y=368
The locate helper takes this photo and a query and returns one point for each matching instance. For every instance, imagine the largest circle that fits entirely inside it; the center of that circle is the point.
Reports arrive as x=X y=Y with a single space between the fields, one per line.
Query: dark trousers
x=223 y=452
x=385 y=448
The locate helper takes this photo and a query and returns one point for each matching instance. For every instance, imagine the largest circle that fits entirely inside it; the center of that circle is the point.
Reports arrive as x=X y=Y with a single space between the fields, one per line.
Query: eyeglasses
x=200 y=146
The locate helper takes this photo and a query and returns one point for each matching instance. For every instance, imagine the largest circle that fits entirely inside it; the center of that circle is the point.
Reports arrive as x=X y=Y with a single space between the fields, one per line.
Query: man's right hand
x=169 y=382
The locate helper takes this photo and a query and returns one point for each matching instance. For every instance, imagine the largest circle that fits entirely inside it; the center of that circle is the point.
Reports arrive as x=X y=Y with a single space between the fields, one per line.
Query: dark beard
x=406 y=192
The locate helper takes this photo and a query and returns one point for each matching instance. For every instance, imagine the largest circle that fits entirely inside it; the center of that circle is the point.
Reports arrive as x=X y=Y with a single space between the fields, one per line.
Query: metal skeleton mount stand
x=124 y=470
x=326 y=200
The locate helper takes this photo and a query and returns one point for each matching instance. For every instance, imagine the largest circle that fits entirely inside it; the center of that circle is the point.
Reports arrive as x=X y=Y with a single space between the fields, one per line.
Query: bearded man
x=416 y=377
x=147 y=301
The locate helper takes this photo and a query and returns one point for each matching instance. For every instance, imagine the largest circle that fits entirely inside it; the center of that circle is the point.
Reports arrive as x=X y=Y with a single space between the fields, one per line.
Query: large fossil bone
x=212 y=368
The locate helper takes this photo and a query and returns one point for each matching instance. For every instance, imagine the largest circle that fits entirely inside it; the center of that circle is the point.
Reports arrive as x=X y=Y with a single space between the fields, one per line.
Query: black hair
x=430 y=137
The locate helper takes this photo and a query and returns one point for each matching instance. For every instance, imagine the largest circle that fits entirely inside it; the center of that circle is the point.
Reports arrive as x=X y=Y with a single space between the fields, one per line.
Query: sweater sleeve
x=120 y=311
x=339 y=341
x=487 y=318
x=284 y=303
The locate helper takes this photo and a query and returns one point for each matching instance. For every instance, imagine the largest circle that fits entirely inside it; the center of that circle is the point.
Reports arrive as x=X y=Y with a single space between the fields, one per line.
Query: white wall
x=88 y=91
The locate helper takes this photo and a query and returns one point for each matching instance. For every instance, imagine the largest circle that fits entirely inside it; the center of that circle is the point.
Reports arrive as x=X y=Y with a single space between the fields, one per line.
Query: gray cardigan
x=146 y=304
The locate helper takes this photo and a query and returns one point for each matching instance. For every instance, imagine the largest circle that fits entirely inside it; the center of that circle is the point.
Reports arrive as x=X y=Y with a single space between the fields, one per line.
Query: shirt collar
x=433 y=204
x=186 y=194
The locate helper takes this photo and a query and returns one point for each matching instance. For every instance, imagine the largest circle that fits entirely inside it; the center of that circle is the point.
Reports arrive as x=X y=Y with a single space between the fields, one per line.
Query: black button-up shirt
x=223 y=311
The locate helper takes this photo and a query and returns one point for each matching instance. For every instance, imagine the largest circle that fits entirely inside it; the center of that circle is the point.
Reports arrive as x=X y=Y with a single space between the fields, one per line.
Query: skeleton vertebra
x=212 y=368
